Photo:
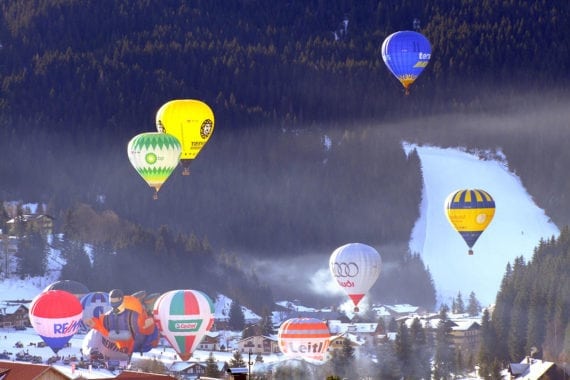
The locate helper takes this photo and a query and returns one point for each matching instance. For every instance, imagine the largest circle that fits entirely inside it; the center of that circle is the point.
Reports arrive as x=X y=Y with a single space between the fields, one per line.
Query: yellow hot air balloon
x=154 y=156
x=191 y=122
x=470 y=212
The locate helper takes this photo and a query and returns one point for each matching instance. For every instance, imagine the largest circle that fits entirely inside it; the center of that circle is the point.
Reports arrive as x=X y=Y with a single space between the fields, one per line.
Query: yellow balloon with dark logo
x=191 y=121
x=470 y=211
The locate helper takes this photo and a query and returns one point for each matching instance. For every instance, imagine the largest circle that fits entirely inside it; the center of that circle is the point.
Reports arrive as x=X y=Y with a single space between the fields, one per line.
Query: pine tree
x=420 y=351
x=486 y=355
x=236 y=317
x=403 y=349
x=473 y=305
x=444 y=357
x=237 y=360
x=32 y=253
x=459 y=305
x=211 y=366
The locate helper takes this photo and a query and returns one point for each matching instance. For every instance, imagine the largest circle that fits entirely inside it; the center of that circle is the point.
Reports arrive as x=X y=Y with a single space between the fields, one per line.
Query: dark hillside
x=307 y=150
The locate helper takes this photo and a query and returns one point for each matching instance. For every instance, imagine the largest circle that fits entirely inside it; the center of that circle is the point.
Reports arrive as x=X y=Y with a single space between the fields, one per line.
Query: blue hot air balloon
x=406 y=54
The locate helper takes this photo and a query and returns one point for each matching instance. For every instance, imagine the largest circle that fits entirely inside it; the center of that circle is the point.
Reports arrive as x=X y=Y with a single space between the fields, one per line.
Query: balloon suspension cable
x=470 y=252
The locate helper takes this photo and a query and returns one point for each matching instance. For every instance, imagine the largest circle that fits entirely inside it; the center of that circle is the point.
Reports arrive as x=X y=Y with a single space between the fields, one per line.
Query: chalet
x=337 y=341
x=18 y=370
x=210 y=342
x=42 y=222
x=366 y=332
x=465 y=335
x=535 y=369
x=14 y=315
x=258 y=344
x=193 y=370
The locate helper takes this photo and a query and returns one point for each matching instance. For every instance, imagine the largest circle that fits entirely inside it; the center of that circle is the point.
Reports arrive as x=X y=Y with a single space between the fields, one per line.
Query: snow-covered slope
x=517 y=228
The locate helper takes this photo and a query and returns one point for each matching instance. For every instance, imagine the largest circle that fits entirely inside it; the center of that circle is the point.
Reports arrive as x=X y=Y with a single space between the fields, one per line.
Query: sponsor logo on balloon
x=345 y=270
x=424 y=55
x=184 y=325
x=302 y=348
x=346 y=284
x=66 y=328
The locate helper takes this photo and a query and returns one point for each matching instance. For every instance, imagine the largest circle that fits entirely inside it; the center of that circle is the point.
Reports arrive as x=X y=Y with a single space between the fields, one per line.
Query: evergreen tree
x=77 y=264
x=458 y=305
x=211 y=366
x=32 y=253
x=237 y=360
x=403 y=350
x=343 y=360
x=236 y=317
x=420 y=363
x=486 y=355
x=388 y=364
x=444 y=357
x=473 y=305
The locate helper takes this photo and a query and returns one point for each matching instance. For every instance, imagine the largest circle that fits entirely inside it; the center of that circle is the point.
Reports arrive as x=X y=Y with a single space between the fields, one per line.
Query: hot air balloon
x=56 y=317
x=356 y=268
x=470 y=212
x=184 y=317
x=74 y=287
x=304 y=338
x=154 y=156
x=127 y=324
x=96 y=342
x=189 y=120
x=406 y=54
x=94 y=304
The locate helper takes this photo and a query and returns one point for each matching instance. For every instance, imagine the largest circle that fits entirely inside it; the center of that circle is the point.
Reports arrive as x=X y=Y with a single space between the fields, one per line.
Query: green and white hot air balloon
x=154 y=155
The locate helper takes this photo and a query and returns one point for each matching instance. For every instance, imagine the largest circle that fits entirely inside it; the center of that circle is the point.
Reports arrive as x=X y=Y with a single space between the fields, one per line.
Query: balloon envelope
x=191 y=122
x=74 y=287
x=95 y=342
x=470 y=211
x=356 y=268
x=184 y=317
x=406 y=54
x=56 y=317
x=94 y=304
x=304 y=338
x=154 y=156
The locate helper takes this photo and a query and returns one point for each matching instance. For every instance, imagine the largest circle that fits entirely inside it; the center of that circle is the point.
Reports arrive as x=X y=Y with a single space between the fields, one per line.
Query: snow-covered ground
x=517 y=228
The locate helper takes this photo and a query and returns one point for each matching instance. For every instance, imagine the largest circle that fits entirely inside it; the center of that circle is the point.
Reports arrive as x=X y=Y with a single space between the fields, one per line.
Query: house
x=337 y=341
x=210 y=342
x=41 y=222
x=238 y=373
x=534 y=369
x=14 y=315
x=19 y=370
x=366 y=332
x=258 y=344
x=193 y=370
x=465 y=336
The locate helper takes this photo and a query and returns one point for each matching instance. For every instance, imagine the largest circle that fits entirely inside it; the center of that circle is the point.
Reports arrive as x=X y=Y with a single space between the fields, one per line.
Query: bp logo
x=206 y=128
x=150 y=158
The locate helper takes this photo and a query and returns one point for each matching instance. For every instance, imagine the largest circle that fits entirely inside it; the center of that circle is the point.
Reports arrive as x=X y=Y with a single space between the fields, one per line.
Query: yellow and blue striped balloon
x=470 y=211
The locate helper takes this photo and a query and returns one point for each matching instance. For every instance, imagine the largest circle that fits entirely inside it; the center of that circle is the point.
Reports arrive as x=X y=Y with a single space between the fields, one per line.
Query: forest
x=306 y=153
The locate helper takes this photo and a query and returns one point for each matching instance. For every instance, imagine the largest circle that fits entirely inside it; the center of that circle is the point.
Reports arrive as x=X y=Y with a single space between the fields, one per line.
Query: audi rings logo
x=345 y=269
